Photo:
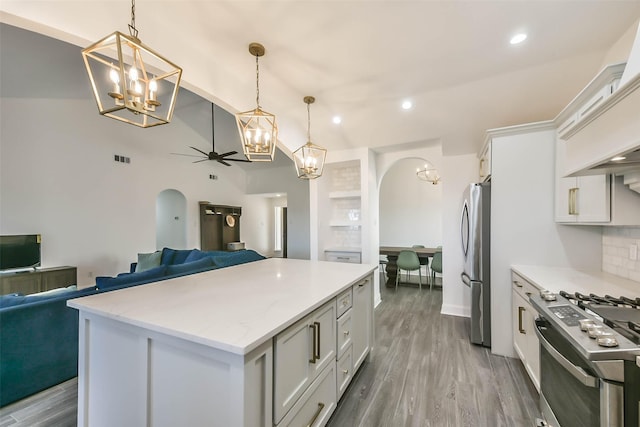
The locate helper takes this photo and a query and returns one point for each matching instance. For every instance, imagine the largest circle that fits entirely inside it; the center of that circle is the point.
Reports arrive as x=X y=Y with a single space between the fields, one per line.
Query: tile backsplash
x=617 y=245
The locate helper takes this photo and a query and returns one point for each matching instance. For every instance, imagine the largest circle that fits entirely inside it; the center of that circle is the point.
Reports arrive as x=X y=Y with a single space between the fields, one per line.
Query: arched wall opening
x=171 y=220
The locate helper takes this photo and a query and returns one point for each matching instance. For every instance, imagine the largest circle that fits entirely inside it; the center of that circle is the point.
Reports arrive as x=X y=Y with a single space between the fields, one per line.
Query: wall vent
x=121 y=159
x=213 y=177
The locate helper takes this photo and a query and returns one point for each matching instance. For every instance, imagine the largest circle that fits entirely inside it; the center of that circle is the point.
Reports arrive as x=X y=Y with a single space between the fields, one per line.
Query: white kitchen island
x=257 y=344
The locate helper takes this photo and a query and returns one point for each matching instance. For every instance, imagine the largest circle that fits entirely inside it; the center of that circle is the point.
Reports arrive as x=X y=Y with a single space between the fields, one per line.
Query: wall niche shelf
x=353 y=194
x=219 y=226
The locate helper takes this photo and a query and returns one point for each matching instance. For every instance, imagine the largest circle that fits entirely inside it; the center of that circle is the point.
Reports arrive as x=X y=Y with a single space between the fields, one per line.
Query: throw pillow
x=181 y=255
x=148 y=261
x=195 y=255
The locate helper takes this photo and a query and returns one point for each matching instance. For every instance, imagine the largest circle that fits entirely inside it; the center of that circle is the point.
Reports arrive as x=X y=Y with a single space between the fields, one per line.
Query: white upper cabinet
x=597 y=198
x=485 y=161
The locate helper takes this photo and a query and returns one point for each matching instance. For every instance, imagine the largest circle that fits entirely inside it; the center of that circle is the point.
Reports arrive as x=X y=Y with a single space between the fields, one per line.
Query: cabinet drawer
x=345 y=371
x=317 y=403
x=350 y=257
x=523 y=287
x=344 y=302
x=345 y=325
x=301 y=353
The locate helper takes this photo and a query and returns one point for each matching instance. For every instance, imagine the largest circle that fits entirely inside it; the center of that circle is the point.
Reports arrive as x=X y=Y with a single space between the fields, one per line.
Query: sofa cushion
x=148 y=261
x=190 y=267
x=128 y=278
x=235 y=258
x=195 y=255
x=10 y=300
x=174 y=256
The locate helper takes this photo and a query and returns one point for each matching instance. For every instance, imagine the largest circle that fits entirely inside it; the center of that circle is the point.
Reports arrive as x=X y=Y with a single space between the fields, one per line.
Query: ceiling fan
x=212 y=155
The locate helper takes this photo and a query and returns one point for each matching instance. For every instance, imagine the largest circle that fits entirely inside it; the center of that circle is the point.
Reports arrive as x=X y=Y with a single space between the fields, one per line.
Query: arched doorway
x=171 y=220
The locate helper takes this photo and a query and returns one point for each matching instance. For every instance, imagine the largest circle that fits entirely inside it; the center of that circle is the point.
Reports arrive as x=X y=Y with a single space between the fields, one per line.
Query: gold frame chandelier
x=309 y=159
x=131 y=82
x=258 y=129
x=428 y=173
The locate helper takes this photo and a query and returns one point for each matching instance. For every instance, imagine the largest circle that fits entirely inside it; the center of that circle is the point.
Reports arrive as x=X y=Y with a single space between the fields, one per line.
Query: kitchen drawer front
x=345 y=325
x=523 y=287
x=315 y=406
x=345 y=371
x=345 y=300
x=350 y=257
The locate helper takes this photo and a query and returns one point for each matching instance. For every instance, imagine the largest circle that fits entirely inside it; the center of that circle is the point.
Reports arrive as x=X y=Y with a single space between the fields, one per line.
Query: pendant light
x=257 y=128
x=428 y=173
x=131 y=82
x=309 y=159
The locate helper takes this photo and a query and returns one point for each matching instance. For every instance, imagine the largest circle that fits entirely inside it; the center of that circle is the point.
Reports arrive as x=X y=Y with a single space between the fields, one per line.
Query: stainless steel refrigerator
x=475 y=230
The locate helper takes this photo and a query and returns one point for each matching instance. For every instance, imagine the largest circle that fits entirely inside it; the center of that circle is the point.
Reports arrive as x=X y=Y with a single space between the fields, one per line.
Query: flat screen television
x=20 y=251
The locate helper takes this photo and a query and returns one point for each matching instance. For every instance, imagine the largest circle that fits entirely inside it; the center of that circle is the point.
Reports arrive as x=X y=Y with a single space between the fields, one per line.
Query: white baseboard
x=455 y=310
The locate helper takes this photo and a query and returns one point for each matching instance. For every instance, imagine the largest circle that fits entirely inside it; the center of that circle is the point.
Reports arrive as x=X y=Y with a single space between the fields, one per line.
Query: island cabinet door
x=362 y=320
x=301 y=352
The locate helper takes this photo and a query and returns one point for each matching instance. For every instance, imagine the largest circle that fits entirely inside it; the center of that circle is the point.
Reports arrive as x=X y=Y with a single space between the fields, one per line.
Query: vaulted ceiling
x=361 y=59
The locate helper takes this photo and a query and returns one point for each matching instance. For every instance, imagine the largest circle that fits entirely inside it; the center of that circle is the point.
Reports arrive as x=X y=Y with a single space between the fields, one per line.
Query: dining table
x=392 y=253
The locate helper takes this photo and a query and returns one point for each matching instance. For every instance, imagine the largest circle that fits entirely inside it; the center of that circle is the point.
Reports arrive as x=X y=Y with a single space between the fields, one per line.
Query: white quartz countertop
x=571 y=280
x=233 y=309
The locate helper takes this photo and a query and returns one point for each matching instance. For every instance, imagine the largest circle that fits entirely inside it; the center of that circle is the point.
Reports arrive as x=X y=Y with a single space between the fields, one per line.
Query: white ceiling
x=361 y=59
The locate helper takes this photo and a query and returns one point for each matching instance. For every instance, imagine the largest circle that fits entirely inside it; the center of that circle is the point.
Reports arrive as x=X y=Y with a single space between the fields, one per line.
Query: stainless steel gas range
x=589 y=359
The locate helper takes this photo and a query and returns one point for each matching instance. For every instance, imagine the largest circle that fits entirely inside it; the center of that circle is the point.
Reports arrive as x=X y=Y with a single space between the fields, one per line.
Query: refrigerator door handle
x=465 y=279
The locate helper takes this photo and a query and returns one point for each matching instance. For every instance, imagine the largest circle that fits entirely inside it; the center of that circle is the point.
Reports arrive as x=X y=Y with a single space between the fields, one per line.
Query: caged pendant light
x=131 y=82
x=257 y=128
x=309 y=159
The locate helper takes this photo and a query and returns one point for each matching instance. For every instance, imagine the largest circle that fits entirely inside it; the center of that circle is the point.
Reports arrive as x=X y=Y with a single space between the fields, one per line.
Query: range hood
x=606 y=139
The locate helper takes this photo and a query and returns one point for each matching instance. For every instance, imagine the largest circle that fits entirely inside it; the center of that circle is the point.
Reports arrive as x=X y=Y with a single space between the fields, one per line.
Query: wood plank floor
x=425 y=372
x=422 y=372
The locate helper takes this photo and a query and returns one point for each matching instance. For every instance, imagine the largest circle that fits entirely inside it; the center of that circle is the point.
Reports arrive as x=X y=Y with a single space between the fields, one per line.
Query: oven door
x=571 y=395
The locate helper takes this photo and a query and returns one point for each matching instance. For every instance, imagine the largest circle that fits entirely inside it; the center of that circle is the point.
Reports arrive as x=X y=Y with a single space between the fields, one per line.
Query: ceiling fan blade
x=200 y=151
x=223 y=162
x=188 y=155
x=203 y=160
x=238 y=160
x=230 y=153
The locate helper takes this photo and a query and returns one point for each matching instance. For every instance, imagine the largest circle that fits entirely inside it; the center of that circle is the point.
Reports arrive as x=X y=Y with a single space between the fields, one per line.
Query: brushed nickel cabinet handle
x=520 y=311
x=346 y=333
x=316 y=354
x=317 y=414
x=364 y=282
x=314 y=341
x=345 y=371
x=515 y=282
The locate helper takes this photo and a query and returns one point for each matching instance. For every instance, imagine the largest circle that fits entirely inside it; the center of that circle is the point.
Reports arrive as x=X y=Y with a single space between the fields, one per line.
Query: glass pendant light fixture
x=309 y=159
x=257 y=128
x=428 y=173
x=131 y=82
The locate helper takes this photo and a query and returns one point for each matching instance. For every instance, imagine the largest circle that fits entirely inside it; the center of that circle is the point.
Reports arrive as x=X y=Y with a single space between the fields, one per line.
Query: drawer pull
x=344 y=257
x=515 y=282
x=528 y=294
x=520 y=311
x=317 y=414
x=364 y=282
x=315 y=339
x=316 y=354
x=345 y=371
x=346 y=333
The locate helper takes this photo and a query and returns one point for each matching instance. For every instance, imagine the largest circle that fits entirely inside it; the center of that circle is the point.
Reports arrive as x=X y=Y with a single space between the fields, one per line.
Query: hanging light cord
x=257 y=83
x=132 y=27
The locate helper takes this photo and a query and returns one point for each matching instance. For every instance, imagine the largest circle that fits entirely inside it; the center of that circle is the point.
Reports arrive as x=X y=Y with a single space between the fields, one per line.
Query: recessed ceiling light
x=406 y=105
x=618 y=158
x=518 y=38
x=337 y=120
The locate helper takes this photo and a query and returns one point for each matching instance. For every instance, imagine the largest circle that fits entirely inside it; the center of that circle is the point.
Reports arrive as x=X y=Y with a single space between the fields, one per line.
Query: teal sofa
x=39 y=333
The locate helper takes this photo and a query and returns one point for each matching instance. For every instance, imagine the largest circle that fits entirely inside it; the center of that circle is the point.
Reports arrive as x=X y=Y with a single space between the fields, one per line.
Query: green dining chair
x=426 y=264
x=436 y=265
x=408 y=261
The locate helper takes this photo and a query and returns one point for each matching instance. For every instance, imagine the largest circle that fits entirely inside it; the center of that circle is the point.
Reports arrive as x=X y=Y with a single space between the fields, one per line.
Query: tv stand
x=33 y=281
